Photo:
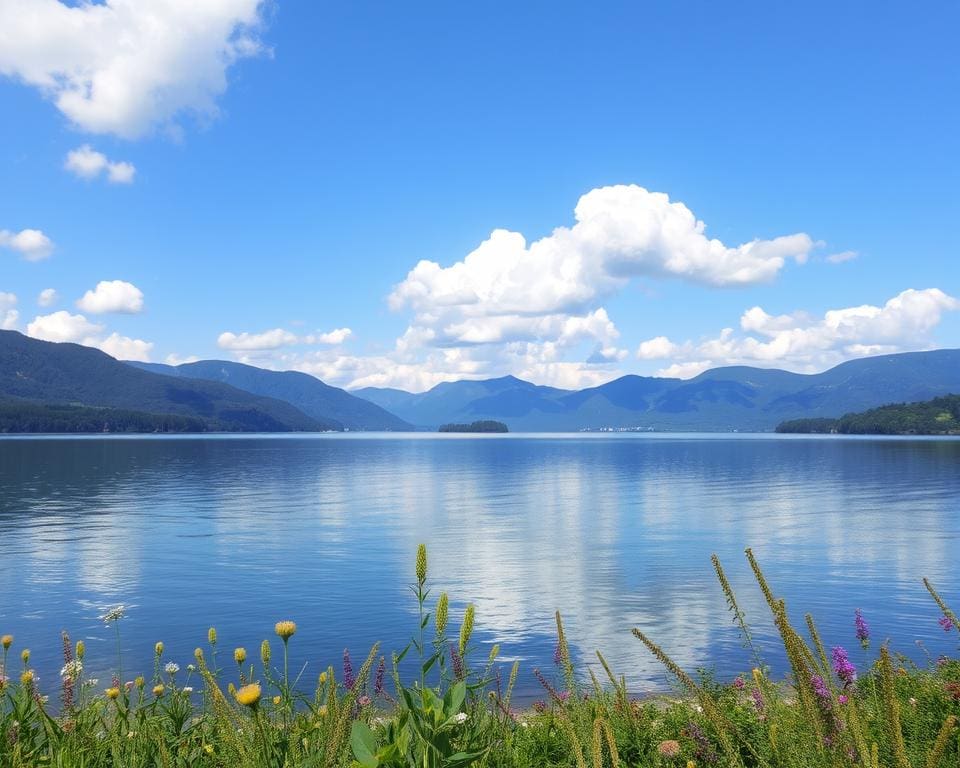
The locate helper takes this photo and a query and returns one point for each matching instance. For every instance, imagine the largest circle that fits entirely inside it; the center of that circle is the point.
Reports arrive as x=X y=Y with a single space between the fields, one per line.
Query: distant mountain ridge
x=303 y=391
x=45 y=373
x=720 y=399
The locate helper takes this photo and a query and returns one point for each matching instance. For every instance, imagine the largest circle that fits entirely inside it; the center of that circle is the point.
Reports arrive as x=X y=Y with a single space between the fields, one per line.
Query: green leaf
x=364 y=744
x=430 y=662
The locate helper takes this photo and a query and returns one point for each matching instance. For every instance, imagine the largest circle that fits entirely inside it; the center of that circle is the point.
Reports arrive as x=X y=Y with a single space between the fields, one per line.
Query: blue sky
x=251 y=181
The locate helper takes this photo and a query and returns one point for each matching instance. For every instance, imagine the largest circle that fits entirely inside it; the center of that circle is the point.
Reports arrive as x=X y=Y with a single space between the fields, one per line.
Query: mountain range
x=720 y=399
x=216 y=395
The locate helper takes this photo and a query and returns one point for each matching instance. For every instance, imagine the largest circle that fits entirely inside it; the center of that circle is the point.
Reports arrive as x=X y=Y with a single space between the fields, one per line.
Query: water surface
x=615 y=531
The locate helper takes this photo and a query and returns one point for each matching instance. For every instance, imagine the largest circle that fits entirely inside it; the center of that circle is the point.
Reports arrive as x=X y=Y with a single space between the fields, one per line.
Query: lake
x=615 y=531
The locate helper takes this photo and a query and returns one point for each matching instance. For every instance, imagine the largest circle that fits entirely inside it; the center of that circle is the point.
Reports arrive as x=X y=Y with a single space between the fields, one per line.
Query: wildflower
x=276 y=700
x=198 y=654
x=363 y=701
x=25 y=655
x=322 y=711
x=139 y=682
x=669 y=748
x=703 y=749
x=457 y=661
x=212 y=635
x=540 y=705
x=191 y=668
x=239 y=655
x=557 y=654
x=187 y=689
x=28 y=677
x=945 y=623
x=443 y=608
x=461 y=717
x=6 y=641
x=739 y=683
x=81 y=649
x=466 y=629
x=265 y=652
x=112 y=693
x=757 y=700
x=158 y=649
x=913 y=702
x=563 y=696
x=114 y=614
x=378 y=680
x=171 y=668
x=158 y=690
x=249 y=695
x=863 y=630
x=348 y=679
x=322 y=680
x=421 y=564
x=231 y=689
x=845 y=671
x=208 y=748
x=842 y=698
x=72 y=670
x=819 y=687
x=285 y=630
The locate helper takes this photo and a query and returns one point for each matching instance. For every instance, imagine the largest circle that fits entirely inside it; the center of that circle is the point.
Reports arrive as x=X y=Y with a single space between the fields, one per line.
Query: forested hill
x=940 y=416
x=34 y=372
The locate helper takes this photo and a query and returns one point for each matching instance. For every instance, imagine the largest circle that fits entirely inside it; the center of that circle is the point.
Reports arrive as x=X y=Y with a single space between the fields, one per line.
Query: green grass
x=458 y=709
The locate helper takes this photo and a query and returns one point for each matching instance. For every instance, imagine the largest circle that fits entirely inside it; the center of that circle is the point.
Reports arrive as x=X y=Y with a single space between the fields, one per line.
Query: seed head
x=466 y=629
x=239 y=655
x=421 y=564
x=249 y=695
x=265 y=652
x=443 y=608
x=81 y=649
x=25 y=655
x=323 y=678
x=212 y=635
x=158 y=649
x=198 y=654
x=285 y=630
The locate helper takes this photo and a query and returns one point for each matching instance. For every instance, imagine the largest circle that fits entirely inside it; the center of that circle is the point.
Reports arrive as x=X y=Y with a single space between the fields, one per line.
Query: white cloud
x=47 y=297
x=63 y=327
x=175 y=359
x=252 y=342
x=31 y=244
x=8 y=314
x=126 y=66
x=839 y=258
x=76 y=329
x=336 y=336
x=656 y=348
x=112 y=296
x=87 y=163
x=804 y=343
x=125 y=348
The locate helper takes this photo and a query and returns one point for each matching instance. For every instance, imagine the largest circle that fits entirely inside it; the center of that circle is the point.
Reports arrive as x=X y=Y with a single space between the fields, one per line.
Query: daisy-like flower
x=114 y=614
x=72 y=670
x=171 y=668
x=461 y=717
x=249 y=695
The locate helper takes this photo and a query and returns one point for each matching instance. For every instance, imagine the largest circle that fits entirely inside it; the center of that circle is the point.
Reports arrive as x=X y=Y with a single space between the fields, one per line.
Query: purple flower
x=945 y=623
x=363 y=701
x=757 y=699
x=563 y=696
x=378 y=680
x=739 y=683
x=540 y=705
x=458 y=671
x=819 y=687
x=863 y=630
x=842 y=698
x=846 y=672
x=557 y=656
x=348 y=679
x=703 y=749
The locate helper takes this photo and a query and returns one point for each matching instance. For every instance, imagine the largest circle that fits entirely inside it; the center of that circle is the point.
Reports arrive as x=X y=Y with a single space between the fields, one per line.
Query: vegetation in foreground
x=458 y=711
x=940 y=416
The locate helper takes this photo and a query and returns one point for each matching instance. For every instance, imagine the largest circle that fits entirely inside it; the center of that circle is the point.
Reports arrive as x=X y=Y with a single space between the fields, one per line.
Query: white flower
x=72 y=670
x=187 y=689
x=191 y=668
x=114 y=614
x=92 y=681
x=461 y=717
x=171 y=668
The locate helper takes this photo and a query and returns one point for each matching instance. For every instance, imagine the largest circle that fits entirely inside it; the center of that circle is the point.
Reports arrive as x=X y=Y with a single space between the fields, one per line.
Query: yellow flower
x=265 y=652
x=276 y=700
x=285 y=629
x=422 y=563
x=231 y=689
x=140 y=682
x=25 y=655
x=6 y=641
x=81 y=649
x=249 y=695
x=322 y=711
x=443 y=607
x=208 y=748
x=198 y=654
x=27 y=677
x=239 y=655
x=158 y=690
x=212 y=635
x=158 y=649
x=323 y=678
x=466 y=629
x=112 y=693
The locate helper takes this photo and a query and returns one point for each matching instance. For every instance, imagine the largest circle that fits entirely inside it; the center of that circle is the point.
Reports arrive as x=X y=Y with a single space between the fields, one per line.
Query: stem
x=116 y=626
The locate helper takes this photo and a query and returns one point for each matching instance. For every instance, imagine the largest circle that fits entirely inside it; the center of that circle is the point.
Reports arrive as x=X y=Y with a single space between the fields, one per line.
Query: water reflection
x=614 y=531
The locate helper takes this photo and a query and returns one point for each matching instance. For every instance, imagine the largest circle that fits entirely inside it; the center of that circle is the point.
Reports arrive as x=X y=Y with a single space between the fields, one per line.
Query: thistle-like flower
x=239 y=655
x=285 y=630
x=114 y=614
x=158 y=649
x=442 y=614
x=249 y=695
x=113 y=693
x=6 y=641
x=212 y=635
x=863 y=629
x=28 y=677
x=25 y=655
x=139 y=682
x=422 y=564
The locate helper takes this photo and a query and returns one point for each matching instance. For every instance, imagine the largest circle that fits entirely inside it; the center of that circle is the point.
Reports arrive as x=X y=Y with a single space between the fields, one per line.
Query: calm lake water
x=615 y=531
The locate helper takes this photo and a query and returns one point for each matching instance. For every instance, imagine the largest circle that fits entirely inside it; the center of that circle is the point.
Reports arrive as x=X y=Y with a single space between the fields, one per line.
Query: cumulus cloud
x=76 y=329
x=47 y=297
x=839 y=258
x=87 y=163
x=656 y=348
x=126 y=66
x=31 y=244
x=253 y=342
x=112 y=296
x=806 y=343
x=8 y=314
x=336 y=336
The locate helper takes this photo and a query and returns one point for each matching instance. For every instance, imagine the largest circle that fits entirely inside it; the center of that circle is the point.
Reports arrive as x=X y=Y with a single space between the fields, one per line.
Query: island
x=476 y=426
x=940 y=416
